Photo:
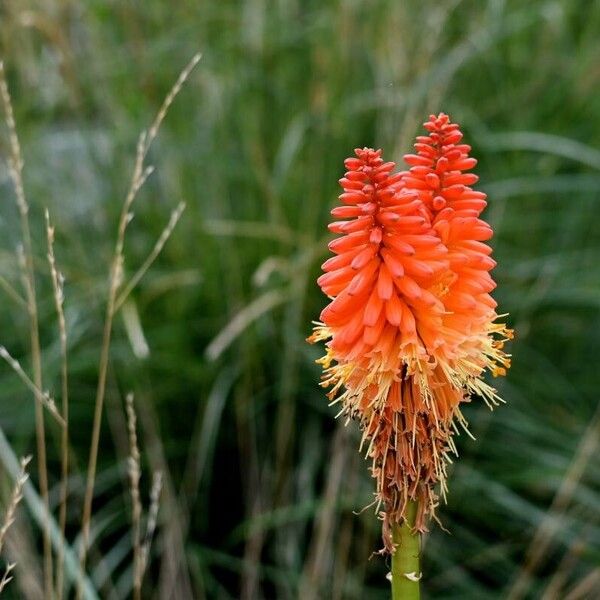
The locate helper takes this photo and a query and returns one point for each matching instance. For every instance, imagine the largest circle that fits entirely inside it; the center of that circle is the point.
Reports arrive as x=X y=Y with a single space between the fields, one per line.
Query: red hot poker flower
x=410 y=328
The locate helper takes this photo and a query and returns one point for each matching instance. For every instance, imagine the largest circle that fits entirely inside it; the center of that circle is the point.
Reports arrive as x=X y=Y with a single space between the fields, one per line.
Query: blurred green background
x=261 y=483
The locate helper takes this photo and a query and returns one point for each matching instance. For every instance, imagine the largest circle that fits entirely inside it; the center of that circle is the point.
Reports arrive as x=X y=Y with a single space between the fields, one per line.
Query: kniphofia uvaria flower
x=411 y=327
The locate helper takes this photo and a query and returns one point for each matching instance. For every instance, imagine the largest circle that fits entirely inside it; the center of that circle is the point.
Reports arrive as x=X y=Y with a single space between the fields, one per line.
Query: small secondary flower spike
x=411 y=327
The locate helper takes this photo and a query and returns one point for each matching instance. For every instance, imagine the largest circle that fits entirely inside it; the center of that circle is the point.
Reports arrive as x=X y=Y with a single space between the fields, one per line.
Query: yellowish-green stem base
x=406 y=570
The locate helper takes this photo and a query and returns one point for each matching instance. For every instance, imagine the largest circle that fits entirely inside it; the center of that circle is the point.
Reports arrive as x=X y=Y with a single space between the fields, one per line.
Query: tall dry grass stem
x=155 y=491
x=58 y=294
x=550 y=524
x=172 y=577
x=140 y=175
x=9 y=517
x=16 y=497
x=134 y=472
x=15 y=168
x=319 y=558
x=43 y=399
x=40 y=515
x=141 y=546
x=12 y=293
x=586 y=588
x=7 y=577
x=156 y=250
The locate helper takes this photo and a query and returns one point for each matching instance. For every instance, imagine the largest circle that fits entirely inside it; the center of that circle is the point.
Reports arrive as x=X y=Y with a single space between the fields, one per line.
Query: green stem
x=406 y=571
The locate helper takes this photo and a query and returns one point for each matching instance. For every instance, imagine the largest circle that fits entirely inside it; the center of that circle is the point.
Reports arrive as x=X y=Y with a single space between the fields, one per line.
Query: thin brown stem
x=550 y=524
x=114 y=281
x=42 y=398
x=12 y=293
x=320 y=557
x=134 y=471
x=16 y=497
x=15 y=171
x=57 y=287
x=9 y=517
x=7 y=577
x=139 y=176
x=155 y=492
x=156 y=250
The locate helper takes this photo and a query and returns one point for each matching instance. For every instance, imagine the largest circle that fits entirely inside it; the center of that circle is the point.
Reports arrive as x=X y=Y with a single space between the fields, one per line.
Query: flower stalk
x=406 y=571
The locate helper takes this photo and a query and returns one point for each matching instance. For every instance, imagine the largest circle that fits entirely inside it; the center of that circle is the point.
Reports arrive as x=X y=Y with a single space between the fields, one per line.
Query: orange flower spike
x=410 y=327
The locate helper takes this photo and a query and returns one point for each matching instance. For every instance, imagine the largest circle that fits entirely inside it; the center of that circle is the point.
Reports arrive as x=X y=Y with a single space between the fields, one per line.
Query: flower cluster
x=411 y=326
